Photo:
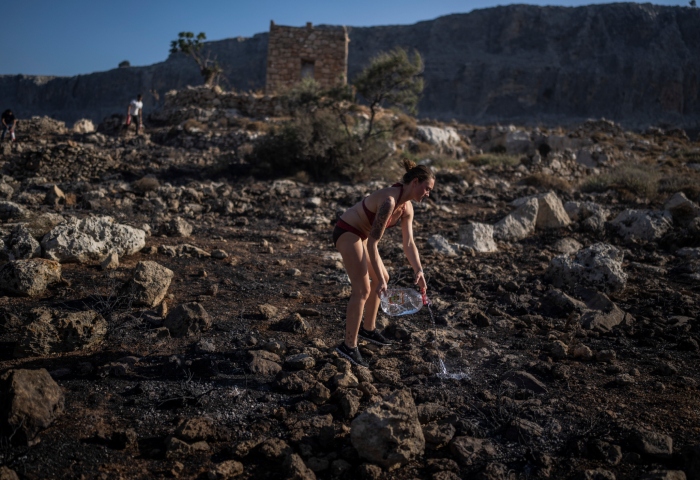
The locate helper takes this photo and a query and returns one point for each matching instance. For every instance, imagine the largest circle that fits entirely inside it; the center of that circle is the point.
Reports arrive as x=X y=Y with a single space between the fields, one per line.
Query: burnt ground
x=138 y=379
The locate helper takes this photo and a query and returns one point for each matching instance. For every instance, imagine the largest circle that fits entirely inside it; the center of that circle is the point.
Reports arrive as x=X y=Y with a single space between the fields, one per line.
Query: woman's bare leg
x=372 y=304
x=354 y=255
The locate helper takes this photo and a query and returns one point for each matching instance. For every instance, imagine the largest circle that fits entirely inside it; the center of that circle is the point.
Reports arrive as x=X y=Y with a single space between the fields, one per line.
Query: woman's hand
x=381 y=288
x=420 y=281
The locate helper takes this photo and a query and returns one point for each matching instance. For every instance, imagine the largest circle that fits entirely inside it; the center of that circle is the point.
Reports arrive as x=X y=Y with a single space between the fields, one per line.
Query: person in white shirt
x=134 y=113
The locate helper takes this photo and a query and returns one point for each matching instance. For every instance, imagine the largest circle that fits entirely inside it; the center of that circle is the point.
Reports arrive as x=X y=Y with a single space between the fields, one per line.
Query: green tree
x=391 y=79
x=190 y=45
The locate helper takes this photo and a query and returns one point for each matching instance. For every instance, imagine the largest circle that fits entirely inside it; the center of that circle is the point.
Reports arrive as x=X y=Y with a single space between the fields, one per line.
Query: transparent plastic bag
x=402 y=301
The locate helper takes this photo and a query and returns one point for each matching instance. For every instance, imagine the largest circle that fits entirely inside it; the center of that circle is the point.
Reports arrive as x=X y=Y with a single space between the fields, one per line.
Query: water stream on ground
x=443 y=373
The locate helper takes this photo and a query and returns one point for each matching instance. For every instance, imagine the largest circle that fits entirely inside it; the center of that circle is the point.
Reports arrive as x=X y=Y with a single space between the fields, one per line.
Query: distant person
x=134 y=114
x=9 y=122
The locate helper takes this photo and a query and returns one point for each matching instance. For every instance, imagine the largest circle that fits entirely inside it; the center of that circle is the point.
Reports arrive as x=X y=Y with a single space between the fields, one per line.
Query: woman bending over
x=356 y=235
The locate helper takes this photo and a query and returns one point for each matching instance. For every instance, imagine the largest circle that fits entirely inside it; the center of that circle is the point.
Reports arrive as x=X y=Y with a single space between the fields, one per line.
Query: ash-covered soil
x=540 y=395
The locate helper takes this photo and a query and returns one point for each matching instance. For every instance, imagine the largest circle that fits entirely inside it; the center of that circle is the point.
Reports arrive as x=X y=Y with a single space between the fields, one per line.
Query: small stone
x=582 y=352
x=110 y=262
x=559 y=349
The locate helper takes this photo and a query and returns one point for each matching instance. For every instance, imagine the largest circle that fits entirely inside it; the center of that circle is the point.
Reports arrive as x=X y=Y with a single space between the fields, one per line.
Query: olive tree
x=391 y=79
x=191 y=45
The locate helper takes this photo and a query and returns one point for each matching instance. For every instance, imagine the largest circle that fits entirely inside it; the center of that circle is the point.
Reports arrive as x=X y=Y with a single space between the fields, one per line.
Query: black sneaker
x=373 y=337
x=352 y=354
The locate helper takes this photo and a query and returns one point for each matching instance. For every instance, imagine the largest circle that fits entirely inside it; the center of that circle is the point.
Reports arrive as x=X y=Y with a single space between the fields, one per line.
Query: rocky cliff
x=633 y=63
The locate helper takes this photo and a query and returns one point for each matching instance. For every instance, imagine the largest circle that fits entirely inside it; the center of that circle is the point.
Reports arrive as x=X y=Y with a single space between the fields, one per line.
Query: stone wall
x=293 y=53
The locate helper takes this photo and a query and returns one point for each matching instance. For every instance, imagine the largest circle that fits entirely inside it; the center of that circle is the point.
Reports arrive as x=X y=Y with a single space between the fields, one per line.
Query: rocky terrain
x=633 y=63
x=166 y=315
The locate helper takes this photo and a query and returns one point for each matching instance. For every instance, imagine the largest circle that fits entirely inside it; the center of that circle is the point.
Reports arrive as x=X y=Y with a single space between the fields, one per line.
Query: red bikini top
x=371 y=215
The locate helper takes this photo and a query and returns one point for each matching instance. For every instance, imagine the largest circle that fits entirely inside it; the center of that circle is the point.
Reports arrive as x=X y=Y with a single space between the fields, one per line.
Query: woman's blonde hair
x=421 y=172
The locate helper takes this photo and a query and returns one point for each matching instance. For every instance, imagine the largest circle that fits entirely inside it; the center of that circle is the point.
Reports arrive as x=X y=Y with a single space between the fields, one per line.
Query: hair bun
x=408 y=164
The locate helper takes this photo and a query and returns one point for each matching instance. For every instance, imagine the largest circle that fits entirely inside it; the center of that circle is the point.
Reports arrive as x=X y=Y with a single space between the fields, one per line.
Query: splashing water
x=443 y=373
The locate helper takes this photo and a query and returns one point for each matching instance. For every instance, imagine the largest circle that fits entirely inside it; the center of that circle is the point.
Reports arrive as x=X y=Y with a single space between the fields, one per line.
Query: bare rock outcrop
x=91 y=239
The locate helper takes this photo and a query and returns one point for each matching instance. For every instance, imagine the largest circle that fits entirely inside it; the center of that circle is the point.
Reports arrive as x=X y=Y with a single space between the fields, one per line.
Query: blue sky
x=71 y=37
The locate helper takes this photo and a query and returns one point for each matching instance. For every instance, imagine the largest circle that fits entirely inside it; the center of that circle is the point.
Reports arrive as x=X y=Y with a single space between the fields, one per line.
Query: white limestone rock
x=91 y=240
x=444 y=138
x=478 y=236
x=442 y=245
x=518 y=224
x=647 y=225
x=550 y=213
x=598 y=267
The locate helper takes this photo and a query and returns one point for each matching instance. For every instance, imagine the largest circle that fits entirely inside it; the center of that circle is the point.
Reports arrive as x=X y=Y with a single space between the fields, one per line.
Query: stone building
x=295 y=53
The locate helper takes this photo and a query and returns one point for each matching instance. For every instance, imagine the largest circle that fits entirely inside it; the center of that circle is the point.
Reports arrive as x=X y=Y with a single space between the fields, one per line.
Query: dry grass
x=404 y=126
x=636 y=179
x=495 y=160
x=421 y=148
x=686 y=182
x=548 y=182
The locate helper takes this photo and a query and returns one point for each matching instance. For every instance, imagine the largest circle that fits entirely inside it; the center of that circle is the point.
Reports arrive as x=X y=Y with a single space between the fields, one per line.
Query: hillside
x=635 y=64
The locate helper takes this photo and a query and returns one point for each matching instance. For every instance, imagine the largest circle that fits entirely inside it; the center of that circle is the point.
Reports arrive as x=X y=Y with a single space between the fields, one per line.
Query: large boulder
x=647 y=225
x=52 y=331
x=30 y=400
x=91 y=240
x=478 y=236
x=29 y=278
x=598 y=267
x=550 y=211
x=518 y=224
x=149 y=285
x=187 y=319
x=389 y=433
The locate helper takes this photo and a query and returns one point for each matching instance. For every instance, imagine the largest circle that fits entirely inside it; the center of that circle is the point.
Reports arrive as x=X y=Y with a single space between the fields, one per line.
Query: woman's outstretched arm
x=375 y=234
x=410 y=249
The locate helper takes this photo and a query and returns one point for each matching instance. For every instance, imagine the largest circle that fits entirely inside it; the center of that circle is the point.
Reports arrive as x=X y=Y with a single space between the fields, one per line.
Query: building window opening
x=307 y=69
